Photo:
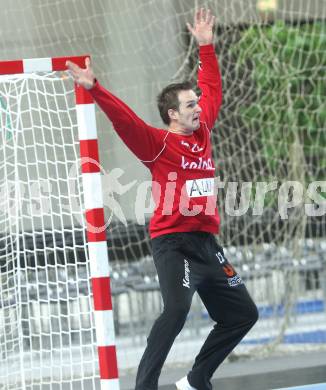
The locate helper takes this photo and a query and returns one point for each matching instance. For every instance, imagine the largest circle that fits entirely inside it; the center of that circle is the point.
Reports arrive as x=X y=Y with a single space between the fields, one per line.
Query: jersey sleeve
x=210 y=84
x=144 y=141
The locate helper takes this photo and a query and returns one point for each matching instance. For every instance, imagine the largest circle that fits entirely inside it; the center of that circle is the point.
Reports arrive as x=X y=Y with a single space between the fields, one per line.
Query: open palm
x=82 y=76
x=202 y=30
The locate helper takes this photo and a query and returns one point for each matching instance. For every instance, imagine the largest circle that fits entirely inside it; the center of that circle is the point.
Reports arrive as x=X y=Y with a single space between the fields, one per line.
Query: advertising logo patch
x=200 y=187
x=186 y=279
x=232 y=277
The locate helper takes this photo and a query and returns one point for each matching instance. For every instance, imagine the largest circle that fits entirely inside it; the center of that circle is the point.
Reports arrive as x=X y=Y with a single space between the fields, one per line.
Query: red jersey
x=182 y=166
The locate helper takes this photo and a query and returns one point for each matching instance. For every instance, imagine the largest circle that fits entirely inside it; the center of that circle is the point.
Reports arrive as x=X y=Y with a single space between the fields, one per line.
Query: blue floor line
x=318 y=386
x=313 y=337
x=299 y=308
x=305 y=307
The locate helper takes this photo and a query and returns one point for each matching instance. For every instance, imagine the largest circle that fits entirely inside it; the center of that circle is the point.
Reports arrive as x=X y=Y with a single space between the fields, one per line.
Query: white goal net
x=46 y=328
x=270 y=132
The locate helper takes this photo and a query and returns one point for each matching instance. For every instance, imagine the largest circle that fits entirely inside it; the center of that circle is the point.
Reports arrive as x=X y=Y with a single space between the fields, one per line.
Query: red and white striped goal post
x=94 y=211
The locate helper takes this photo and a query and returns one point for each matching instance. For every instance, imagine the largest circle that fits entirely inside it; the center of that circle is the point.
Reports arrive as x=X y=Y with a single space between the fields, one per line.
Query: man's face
x=188 y=114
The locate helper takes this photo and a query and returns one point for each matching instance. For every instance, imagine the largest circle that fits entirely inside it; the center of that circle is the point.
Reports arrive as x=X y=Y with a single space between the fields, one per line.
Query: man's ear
x=172 y=114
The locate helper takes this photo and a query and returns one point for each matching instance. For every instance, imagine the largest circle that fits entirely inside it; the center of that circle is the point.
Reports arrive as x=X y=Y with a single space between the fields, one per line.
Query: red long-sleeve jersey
x=182 y=166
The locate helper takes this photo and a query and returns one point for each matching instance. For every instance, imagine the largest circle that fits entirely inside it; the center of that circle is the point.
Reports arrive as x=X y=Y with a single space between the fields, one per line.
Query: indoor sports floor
x=300 y=371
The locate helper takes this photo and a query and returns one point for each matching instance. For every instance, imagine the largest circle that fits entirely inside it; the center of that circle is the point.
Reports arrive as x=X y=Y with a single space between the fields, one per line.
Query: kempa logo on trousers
x=186 y=279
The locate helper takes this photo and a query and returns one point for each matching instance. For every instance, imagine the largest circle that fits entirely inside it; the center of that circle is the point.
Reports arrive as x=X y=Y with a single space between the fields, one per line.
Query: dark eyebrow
x=192 y=101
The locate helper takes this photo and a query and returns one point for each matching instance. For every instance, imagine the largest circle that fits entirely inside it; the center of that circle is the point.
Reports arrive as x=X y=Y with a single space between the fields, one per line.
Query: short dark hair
x=168 y=98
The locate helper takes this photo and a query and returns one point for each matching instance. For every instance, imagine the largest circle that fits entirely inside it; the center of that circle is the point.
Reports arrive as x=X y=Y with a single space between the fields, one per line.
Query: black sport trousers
x=185 y=263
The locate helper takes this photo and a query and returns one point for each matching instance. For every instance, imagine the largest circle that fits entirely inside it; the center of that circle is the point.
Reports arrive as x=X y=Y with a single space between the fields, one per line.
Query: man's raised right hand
x=84 y=77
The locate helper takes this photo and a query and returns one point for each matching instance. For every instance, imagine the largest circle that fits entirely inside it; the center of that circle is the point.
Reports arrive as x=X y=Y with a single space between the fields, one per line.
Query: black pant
x=185 y=263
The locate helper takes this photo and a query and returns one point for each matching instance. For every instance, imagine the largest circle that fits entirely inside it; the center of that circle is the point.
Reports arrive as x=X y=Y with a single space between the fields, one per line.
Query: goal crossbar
x=46 y=64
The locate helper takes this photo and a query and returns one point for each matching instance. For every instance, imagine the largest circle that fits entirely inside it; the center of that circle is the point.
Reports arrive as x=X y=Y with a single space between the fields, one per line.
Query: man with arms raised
x=186 y=254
